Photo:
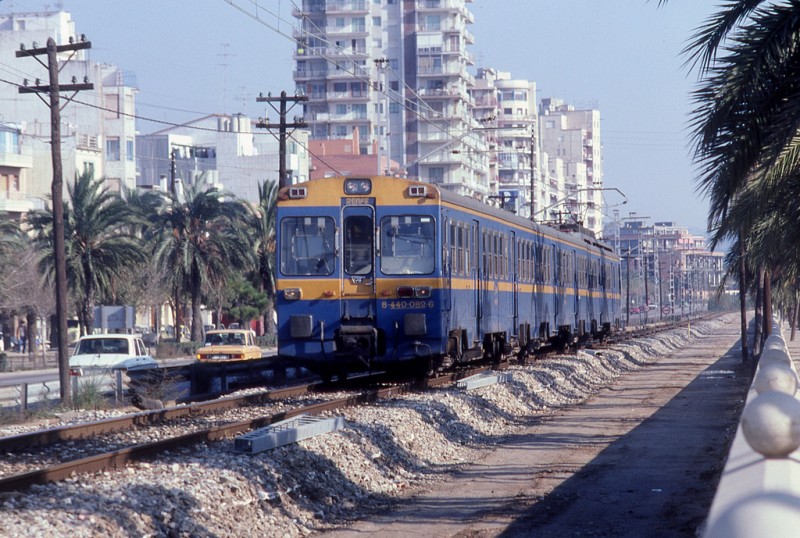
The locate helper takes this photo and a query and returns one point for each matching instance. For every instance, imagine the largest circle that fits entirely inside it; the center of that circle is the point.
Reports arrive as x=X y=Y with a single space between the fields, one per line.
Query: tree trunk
x=759 y=323
x=793 y=318
x=197 y=317
x=743 y=303
x=767 y=305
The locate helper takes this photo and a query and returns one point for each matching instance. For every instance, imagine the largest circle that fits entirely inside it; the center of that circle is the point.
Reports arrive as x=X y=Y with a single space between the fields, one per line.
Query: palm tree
x=263 y=225
x=200 y=237
x=747 y=120
x=99 y=243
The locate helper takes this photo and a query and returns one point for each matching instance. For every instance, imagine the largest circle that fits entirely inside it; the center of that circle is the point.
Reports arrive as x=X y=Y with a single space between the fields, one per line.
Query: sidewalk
x=21 y=362
x=639 y=458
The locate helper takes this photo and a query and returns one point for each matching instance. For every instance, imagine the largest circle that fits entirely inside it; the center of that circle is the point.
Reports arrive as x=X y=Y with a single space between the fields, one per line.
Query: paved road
x=640 y=458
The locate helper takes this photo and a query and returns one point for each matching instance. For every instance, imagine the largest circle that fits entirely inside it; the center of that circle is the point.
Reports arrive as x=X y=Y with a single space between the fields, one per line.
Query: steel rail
x=119 y=458
x=146 y=418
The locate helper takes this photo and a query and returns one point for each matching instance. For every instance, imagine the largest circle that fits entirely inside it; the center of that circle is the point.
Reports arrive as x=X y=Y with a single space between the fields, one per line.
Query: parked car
x=228 y=345
x=106 y=352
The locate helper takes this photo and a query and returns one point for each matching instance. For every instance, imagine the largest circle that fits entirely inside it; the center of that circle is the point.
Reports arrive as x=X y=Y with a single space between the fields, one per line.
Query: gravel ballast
x=385 y=453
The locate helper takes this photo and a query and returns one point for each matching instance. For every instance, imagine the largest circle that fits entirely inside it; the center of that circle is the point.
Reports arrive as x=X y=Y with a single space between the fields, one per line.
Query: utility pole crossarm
x=54 y=90
x=59 y=48
x=282 y=127
x=61 y=87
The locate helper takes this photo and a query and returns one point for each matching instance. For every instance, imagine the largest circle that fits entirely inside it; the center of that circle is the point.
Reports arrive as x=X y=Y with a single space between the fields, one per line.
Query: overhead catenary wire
x=186 y=125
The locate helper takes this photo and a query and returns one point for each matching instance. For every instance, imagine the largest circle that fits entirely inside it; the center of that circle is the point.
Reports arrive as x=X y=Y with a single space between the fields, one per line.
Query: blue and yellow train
x=389 y=273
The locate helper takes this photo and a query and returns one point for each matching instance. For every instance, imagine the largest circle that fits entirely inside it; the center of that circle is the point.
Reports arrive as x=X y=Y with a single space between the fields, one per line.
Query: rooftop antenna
x=224 y=66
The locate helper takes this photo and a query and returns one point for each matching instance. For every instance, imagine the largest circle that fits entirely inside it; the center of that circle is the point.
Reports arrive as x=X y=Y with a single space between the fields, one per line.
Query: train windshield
x=407 y=245
x=308 y=246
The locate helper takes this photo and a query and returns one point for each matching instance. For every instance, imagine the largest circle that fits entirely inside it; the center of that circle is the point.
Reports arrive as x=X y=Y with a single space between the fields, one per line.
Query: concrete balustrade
x=759 y=490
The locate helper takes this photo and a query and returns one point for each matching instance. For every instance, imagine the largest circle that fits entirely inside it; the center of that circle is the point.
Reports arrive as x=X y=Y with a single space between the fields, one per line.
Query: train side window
x=308 y=247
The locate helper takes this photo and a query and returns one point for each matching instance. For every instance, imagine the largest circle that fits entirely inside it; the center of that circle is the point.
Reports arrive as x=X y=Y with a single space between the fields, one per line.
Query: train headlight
x=422 y=292
x=415 y=292
x=292 y=294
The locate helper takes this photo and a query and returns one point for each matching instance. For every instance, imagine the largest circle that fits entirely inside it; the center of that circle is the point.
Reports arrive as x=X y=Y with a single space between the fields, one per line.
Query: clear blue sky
x=195 y=57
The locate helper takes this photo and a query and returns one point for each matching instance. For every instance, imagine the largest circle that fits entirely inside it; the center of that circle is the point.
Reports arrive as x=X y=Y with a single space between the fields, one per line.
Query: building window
x=129 y=150
x=111 y=105
x=436 y=174
x=112 y=149
x=88 y=168
x=394 y=108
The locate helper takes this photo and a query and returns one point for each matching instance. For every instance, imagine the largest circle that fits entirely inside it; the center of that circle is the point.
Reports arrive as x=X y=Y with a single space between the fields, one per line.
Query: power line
x=185 y=126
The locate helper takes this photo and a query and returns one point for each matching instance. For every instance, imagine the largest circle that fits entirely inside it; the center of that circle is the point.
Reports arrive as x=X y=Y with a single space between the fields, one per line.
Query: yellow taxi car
x=228 y=345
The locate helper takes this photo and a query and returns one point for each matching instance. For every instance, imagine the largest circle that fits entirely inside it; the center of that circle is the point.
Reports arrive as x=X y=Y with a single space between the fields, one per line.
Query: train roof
x=574 y=234
x=569 y=233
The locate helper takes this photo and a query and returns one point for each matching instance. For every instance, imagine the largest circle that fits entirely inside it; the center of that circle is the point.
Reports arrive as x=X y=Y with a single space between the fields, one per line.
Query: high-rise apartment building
x=573 y=136
x=396 y=70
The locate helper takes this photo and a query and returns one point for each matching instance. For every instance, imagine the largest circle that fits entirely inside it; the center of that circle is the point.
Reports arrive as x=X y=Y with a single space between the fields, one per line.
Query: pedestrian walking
x=22 y=336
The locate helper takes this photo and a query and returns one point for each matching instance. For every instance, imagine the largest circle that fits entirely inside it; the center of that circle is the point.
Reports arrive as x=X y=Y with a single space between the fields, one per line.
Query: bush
x=3 y=362
x=267 y=340
x=89 y=395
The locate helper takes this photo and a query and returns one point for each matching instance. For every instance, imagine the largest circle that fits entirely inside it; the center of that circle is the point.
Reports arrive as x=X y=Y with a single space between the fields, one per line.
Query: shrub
x=89 y=394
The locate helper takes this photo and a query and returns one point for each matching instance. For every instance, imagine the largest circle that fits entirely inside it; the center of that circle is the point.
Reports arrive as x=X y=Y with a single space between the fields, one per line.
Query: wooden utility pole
x=282 y=126
x=57 y=190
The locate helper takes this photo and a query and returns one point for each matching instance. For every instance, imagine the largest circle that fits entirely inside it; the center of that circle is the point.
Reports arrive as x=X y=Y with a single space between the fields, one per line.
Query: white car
x=99 y=352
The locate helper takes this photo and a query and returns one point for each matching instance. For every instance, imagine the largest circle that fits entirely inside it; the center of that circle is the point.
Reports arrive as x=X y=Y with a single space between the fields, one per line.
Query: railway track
x=60 y=453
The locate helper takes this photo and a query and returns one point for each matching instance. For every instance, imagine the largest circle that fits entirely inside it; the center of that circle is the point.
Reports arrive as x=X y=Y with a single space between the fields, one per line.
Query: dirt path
x=640 y=458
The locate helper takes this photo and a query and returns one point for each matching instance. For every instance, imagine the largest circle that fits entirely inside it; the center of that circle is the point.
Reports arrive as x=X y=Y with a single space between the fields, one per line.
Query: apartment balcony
x=469 y=37
x=350 y=72
x=443 y=93
x=443 y=157
x=336 y=52
x=352 y=31
x=347 y=6
x=309 y=74
x=308 y=7
x=485 y=102
x=348 y=96
x=348 y=117
x=19 y=202
x=453 y=69
x=16 y=160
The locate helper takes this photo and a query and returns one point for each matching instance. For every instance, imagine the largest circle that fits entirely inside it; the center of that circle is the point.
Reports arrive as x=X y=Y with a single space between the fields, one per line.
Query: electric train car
x=388 y=273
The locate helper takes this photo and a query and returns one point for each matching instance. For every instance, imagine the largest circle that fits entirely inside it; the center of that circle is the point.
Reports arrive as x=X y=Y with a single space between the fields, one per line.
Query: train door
x=513 y=254
x=558 y=286
x=476 y=264
x=358 y=262
x=574 y=270
x=448 y=261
